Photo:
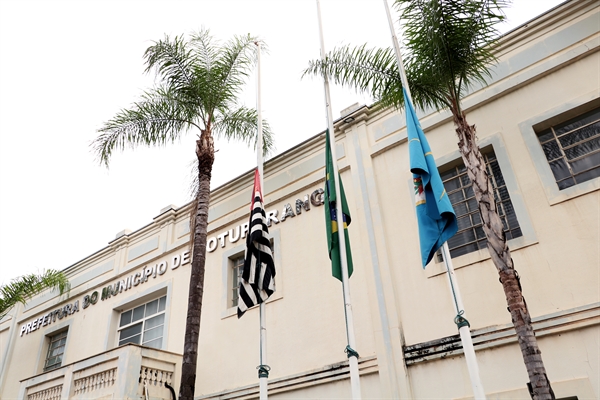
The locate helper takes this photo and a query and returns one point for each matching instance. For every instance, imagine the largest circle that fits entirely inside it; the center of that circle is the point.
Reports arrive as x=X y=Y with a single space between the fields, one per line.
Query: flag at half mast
x=258 y=275
x=331 y=220
x=435 y=215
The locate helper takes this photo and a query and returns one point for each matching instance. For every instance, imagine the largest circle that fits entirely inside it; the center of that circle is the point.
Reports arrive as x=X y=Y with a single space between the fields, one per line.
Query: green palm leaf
x=449 y=45
x=160 y=117
x=200 y=81
x=21 y=289
x=241 y=125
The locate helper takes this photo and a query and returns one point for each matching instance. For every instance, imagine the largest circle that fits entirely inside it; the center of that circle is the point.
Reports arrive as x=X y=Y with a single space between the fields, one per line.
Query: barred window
x=144 y=324
x=470 y=236
x=56 y=350
x=236 y=276
x=572 y=149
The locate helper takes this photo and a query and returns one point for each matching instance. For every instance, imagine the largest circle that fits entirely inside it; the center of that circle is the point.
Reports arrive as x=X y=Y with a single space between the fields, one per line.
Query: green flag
x=331 y=221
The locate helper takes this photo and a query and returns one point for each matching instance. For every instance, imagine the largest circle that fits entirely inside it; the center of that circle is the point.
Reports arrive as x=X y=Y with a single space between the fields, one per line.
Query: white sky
x=68 y=66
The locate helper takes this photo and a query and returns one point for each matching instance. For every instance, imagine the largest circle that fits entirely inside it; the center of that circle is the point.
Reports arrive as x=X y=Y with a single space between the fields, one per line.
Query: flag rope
x=345 y=312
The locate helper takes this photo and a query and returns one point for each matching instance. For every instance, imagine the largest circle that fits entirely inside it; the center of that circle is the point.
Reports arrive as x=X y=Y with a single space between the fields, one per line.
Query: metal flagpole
x=263 y=368
x=396 y=45
x=460 y=320
x=352 y=357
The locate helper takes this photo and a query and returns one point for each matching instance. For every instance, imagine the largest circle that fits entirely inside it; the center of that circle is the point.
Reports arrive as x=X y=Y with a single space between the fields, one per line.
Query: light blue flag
x=435 y=215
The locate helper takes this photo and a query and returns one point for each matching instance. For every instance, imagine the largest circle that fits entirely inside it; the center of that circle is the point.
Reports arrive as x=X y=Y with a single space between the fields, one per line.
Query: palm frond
x=199 y=81
x=450 y=41
x=172 y=60
x=160 y=117
x=367 y=70
x=21 y=289
x=205 y=46
x=242 y=124
x=448 y=48
x=233 y=66
x=374 y=71
x=204 y=86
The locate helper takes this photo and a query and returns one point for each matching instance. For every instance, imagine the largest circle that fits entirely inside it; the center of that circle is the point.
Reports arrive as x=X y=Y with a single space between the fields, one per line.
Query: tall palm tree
x=23 y=288
x=449 y=45
x=199 y=82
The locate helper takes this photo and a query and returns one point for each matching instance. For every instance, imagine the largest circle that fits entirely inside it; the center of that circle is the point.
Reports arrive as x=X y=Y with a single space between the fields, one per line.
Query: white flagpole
x=463 y=327
x=263 y=369
x=460 y=320
x=352 y=358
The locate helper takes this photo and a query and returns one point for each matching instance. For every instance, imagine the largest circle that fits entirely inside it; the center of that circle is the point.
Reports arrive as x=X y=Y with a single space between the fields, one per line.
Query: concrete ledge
x=329 y=373
x=495 y=336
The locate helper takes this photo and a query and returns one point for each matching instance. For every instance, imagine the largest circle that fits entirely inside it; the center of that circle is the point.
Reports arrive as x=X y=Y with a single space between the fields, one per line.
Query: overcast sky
x=68 y=66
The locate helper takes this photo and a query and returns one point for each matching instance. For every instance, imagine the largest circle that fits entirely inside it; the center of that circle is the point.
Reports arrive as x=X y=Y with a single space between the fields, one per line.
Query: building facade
x=119 y=332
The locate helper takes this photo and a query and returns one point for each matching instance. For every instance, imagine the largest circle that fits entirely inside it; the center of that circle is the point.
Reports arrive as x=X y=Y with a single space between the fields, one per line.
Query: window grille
x=56 y=350
x=470 y=236
x=572 y=149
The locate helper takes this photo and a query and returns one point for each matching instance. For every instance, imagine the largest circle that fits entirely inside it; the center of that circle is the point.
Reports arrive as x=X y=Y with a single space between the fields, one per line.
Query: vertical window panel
x=138 y=313
x=236 y=276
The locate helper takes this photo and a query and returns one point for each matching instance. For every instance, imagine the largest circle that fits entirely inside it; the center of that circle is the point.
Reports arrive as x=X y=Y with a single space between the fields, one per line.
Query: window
x=143 y=324
x=470 y=236
x=236 y=276
x=56 y=350
x=572 y=149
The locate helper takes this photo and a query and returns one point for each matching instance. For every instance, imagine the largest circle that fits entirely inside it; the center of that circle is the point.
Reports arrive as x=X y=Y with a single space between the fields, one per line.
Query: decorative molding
x=327 y=374
x=155 y=377
x=96 y=381
x=495 y=336
x=53 y=393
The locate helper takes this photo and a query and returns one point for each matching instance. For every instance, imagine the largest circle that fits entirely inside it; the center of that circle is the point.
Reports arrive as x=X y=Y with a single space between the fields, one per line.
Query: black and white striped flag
x=258 y=276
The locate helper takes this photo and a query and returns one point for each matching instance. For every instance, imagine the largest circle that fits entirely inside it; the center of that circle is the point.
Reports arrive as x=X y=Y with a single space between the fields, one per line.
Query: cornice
x=494 y=336
x=531 y=30
x=307 y=148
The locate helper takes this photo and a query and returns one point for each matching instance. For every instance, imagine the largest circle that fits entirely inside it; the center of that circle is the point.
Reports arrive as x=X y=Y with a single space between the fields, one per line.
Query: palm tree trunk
x=539 y=386
x=206 y=155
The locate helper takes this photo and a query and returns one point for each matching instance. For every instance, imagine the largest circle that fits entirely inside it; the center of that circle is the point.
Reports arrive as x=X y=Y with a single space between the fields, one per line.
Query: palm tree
x=199 y=81
x=449 y=46
x=23 y=288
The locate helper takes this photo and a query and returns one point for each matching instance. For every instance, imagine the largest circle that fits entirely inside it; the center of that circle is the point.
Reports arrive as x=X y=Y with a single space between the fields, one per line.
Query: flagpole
x=396 y=45
x=460 y=319
x=263 y=368
x=463 y=327
x=352 y=355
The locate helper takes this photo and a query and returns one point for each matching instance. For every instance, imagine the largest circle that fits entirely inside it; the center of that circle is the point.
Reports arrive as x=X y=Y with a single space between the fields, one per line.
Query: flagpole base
x=354 y=378
x=262 y=384
x=472 y=366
